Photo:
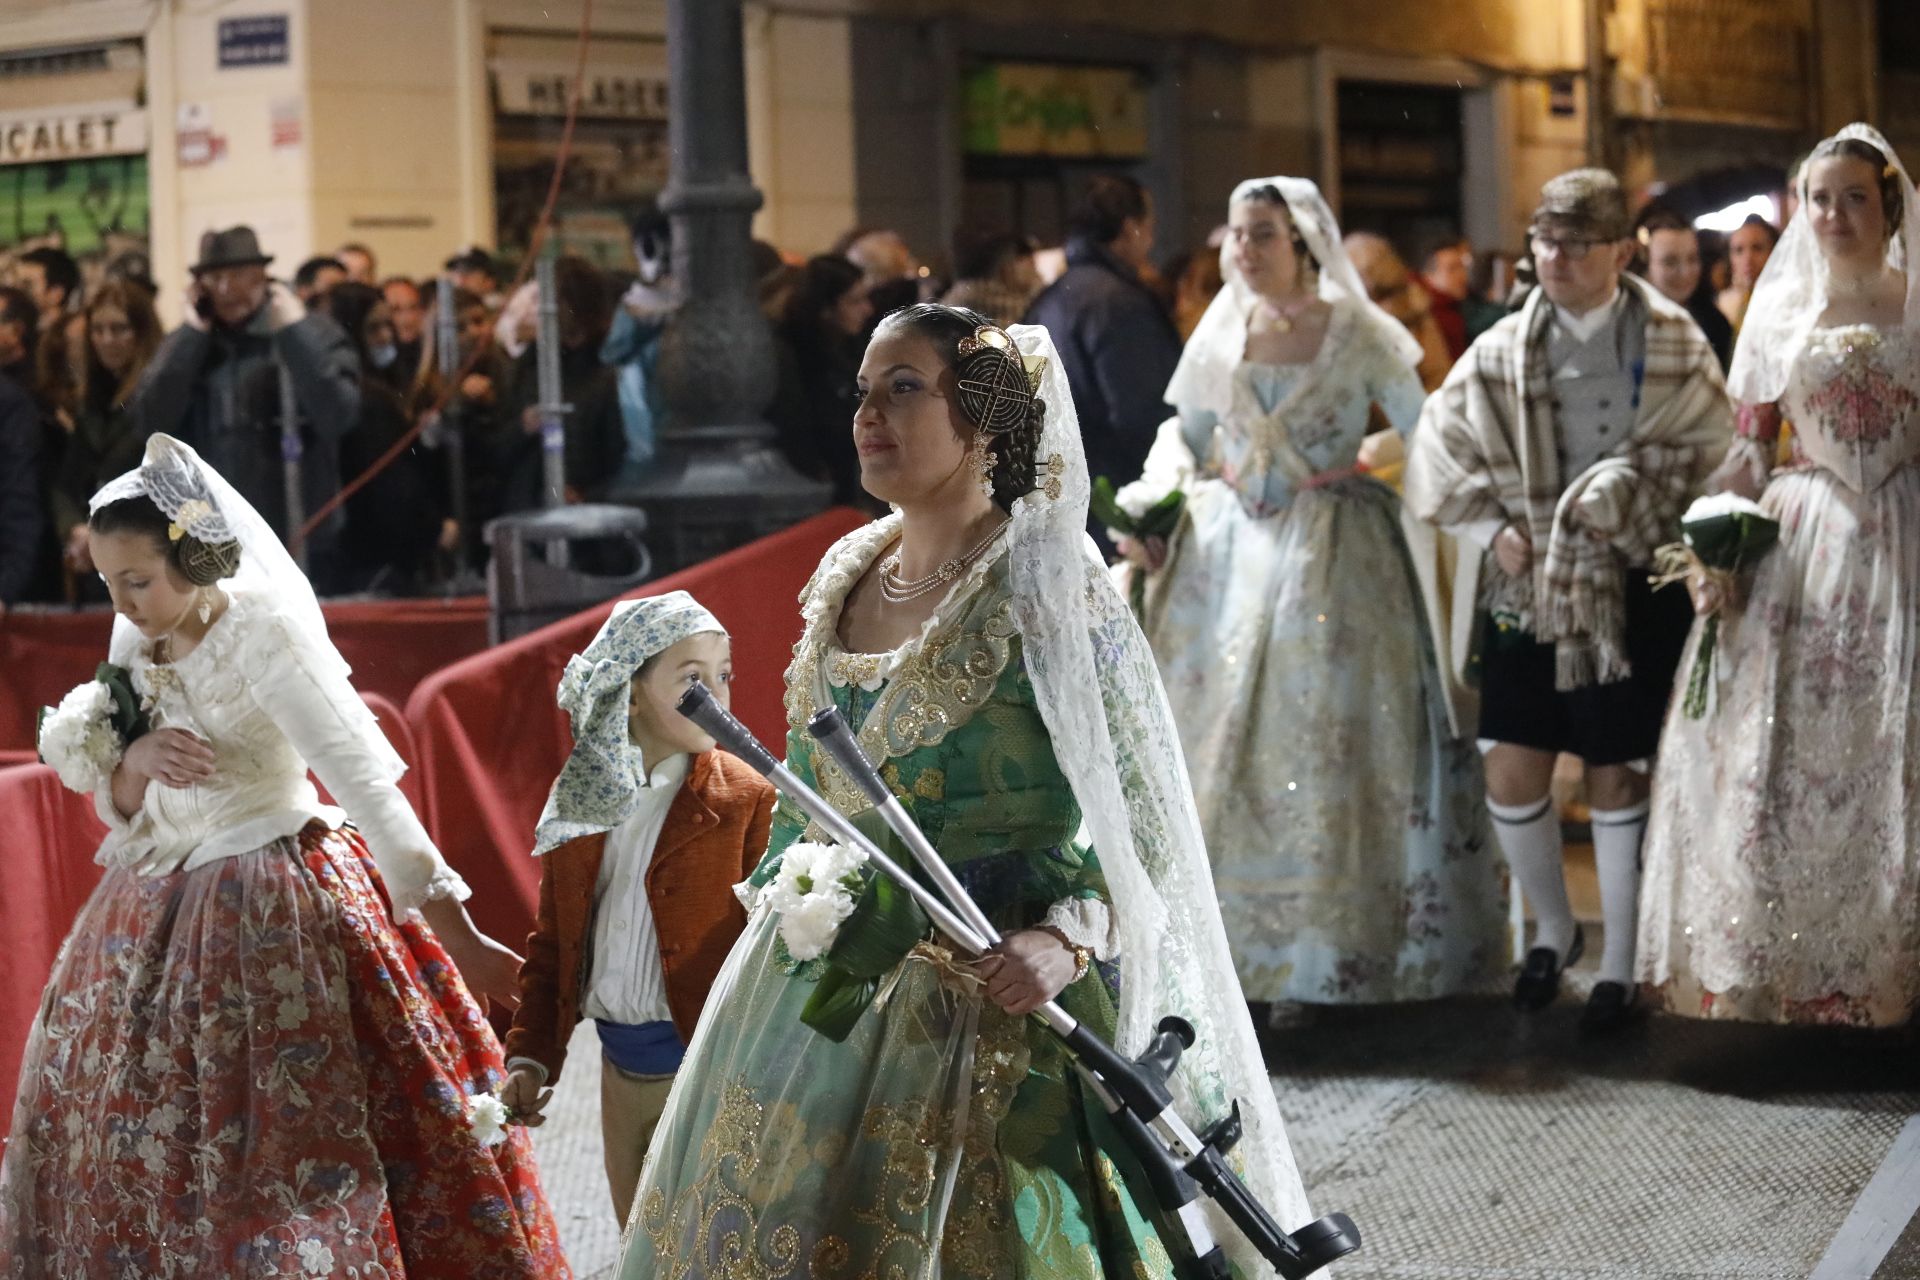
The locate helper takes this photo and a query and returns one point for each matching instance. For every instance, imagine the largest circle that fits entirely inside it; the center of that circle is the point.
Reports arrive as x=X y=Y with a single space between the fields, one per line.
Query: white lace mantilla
x=821 y=663
x=262 y=694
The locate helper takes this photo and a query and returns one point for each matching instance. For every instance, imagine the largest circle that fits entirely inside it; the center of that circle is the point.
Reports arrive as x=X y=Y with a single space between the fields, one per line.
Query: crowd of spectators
x=87 y=373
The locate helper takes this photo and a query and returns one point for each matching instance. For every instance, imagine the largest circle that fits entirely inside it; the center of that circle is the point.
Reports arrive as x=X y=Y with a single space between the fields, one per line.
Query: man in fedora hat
x=1568 y=441
x=216 y=383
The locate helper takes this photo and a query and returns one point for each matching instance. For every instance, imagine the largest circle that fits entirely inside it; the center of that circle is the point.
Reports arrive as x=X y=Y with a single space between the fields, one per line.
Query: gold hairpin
x=986 y=335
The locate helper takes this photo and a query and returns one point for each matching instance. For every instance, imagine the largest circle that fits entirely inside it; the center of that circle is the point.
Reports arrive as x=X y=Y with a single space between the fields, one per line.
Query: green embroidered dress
x=942 y=1137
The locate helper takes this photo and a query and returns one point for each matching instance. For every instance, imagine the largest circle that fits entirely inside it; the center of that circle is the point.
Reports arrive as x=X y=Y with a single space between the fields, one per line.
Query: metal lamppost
x=717 y=480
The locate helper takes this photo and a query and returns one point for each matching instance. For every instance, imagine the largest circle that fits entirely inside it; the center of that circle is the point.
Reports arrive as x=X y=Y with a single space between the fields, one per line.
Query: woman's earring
x=206 y=607
x=983 y=462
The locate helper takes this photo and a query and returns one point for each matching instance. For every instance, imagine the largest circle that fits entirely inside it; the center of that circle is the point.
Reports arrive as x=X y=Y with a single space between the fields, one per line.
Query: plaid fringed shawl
x=1486 y=449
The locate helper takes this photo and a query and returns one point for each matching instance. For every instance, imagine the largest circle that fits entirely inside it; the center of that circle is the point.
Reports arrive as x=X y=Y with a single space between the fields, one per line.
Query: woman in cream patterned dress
x=1783 y=858
x=1344 y=817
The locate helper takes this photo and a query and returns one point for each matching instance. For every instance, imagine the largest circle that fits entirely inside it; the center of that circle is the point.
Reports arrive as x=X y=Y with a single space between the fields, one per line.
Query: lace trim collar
x=827 y=594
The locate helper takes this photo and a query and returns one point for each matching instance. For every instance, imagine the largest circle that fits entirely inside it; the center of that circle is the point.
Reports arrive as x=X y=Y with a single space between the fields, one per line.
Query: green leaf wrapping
x=885 y=925
x=1696 y=704
x=129 y=721
x=1105 y=509
x=1734 y=543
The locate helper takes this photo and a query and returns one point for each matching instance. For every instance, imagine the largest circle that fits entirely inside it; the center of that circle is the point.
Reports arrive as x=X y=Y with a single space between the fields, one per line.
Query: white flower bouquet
x=814 y=892
x=84 y=737
x=1722 y=536
x=857 y=925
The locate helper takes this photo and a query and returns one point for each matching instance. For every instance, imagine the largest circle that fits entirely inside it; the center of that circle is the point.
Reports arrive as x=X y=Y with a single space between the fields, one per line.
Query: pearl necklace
x=897 y=591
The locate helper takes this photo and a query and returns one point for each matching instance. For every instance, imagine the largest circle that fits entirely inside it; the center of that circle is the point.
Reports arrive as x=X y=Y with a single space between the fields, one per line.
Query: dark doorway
x=1401 y=162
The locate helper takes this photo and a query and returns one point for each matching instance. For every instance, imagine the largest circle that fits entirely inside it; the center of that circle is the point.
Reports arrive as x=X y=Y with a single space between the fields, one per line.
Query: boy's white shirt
x=625 y=982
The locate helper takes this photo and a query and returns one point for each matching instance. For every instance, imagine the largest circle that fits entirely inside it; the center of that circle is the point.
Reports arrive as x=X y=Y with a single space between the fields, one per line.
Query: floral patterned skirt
x=1348 y=828
x=247 y=1070
x=1782 y=875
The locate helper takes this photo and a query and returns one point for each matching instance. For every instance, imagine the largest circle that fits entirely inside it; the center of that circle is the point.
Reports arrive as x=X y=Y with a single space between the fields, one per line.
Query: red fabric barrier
x=491 y=738
x=390 y=644
x=51 y=837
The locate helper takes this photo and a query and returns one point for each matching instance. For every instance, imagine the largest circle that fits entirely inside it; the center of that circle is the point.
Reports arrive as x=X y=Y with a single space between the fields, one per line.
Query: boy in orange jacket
x=645 y=833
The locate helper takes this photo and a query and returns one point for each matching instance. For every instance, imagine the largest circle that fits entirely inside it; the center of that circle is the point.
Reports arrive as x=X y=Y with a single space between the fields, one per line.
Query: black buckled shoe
x=1609 y=1006
x=1539 y=980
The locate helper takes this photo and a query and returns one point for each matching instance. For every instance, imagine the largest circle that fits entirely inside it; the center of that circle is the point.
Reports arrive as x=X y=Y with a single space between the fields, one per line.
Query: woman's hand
x=1149 y=554
x=171 y=757
x=490 y=970
x=79 y=552
x=1026 y=970
x=1711 y=594
x=526 y=1096
x=1512 y=551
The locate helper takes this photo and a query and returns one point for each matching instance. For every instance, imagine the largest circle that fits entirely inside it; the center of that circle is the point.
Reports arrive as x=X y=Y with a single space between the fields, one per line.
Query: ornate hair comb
x=996 y=383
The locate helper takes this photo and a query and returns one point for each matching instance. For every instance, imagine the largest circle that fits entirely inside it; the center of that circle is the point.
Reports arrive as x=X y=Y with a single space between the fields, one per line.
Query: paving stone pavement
x=1471 y=1142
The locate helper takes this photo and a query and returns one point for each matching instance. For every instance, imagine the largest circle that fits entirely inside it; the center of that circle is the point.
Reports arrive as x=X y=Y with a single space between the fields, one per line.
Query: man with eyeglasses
x=1568 y=441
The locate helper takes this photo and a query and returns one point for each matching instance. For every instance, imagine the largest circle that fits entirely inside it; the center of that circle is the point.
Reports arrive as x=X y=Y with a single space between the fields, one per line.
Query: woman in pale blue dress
x=1344 y=817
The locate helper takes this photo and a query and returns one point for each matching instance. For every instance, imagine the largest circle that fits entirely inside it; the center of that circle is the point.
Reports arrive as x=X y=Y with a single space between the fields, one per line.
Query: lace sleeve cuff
x=445 y=882
x=1085 y=922
x=535 y=1063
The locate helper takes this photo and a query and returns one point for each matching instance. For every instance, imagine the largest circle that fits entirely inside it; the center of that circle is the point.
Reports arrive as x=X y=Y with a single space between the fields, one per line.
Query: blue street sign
x=254 y=42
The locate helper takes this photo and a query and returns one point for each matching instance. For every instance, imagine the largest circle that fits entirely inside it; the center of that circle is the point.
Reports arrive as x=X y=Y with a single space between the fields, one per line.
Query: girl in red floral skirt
x=254 y=1057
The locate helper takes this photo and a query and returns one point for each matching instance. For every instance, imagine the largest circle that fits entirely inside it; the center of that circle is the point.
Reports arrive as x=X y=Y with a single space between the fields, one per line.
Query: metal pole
x=1599 y=86
x=553 y=406
x=290 y=452
x=718 y=480
x=446 y=340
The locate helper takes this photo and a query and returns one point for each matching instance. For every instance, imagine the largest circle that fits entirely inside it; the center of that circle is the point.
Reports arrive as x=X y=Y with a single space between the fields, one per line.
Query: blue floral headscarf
x=601 y=781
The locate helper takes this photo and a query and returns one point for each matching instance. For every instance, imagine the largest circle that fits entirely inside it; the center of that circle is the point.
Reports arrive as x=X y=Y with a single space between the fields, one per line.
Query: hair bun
x=205 y=563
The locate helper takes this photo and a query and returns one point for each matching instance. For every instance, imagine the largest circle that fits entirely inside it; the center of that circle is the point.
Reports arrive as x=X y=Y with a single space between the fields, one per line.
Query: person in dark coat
x=818 y=347
x=122 y=334
x=1116 y=340
x=397 y=520
x=596 y=441
x=31 y=447
x=216 y=384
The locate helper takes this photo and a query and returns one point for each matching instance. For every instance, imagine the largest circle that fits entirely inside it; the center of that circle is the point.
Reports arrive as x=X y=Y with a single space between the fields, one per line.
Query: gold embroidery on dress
x=940 y=681
x=979 y=1221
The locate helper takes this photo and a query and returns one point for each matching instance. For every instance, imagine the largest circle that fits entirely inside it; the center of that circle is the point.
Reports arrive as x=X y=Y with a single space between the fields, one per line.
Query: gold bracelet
x=1082 y=961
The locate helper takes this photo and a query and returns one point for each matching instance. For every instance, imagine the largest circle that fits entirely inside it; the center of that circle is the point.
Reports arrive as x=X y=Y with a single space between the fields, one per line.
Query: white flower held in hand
x=1138 y=496
x=814 y=892
x=489 y=1118
x=78 y=738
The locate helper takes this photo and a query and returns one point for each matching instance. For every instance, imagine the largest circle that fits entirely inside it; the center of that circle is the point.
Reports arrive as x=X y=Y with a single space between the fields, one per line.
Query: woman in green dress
x=988 y=666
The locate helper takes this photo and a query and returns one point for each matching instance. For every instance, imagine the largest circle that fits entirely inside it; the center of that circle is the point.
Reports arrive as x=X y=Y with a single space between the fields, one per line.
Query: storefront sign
x=1055 y=109
x=254 y=42
x=605 y=95
x=71 y=135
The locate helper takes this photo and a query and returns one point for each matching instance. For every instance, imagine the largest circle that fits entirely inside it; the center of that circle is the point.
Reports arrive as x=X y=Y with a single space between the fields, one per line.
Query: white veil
x=1203 y=380
x=200 y=501
x=1099 y=693
x=1791 y=293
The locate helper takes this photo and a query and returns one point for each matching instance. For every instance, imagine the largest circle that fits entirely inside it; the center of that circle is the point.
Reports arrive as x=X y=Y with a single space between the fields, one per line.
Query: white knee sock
x=1530 y=837
x=1616 y=856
